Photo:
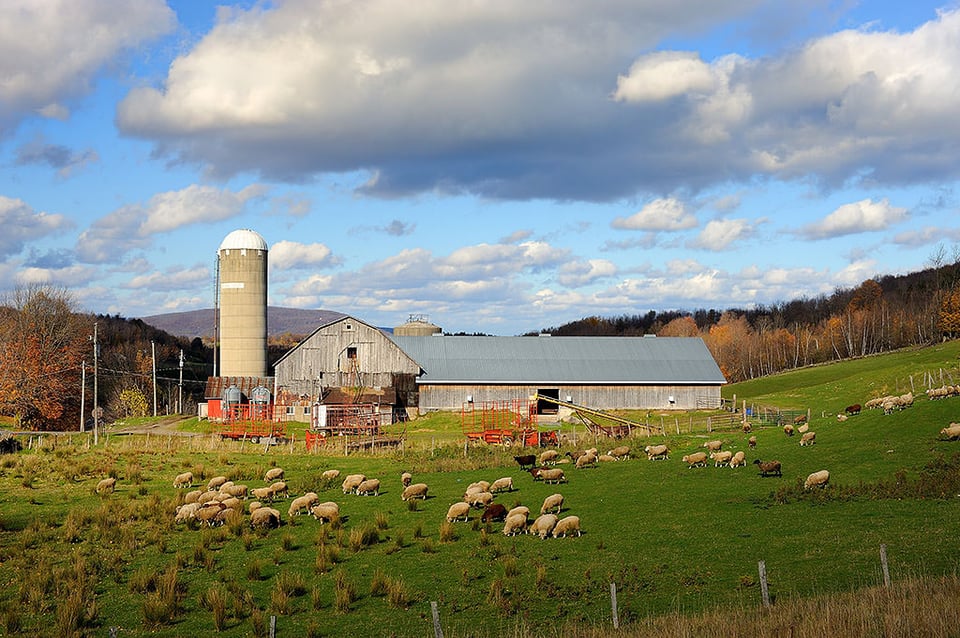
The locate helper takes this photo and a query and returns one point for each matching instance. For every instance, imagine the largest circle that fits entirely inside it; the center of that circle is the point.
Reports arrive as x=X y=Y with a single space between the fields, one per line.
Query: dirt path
x=164 y=425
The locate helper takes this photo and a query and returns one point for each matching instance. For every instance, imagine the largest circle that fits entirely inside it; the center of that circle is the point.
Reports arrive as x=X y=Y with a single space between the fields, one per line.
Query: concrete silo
x=242 y=308
x=417 y=326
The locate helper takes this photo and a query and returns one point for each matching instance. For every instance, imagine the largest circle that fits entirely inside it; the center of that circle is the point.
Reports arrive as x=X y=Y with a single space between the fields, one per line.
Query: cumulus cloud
x=174 y=278
x=722 y=234
x=926 y=236
x=857 y=217
x=667 y=214
x=51 y=52
x=291 y=255
x=131 y=227
x=22 y=224
x=663 y=75
x=62 y=158
x=580 y=273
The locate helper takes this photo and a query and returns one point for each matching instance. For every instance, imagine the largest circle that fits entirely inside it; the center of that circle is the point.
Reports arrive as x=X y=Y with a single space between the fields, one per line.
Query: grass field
x=682 y=545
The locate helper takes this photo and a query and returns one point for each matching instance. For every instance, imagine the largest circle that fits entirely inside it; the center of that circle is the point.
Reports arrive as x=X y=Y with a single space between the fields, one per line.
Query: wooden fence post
x=613 y=605
x=884 y=566
x=273 y=627
x=437 y=630
x=764 y=590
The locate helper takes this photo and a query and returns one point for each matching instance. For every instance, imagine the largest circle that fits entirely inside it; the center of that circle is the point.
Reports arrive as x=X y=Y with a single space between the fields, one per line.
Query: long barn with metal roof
x=445 y=372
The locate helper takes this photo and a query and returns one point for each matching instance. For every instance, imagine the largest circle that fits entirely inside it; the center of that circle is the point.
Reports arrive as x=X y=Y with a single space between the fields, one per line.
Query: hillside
x=200 y=323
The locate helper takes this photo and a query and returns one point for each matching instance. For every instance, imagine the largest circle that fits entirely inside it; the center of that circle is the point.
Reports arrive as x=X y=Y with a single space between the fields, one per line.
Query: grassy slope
x=671 y=538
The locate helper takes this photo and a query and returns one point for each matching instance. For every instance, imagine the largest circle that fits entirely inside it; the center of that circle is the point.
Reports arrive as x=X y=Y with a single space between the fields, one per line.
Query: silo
x=242 y=264
x=417 y=326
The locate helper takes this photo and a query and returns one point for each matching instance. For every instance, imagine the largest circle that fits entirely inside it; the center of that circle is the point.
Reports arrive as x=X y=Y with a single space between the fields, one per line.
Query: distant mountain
x=200 y=323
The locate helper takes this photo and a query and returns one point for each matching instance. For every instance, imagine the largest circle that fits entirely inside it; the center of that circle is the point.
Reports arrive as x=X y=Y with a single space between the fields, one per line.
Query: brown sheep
x=769 y=468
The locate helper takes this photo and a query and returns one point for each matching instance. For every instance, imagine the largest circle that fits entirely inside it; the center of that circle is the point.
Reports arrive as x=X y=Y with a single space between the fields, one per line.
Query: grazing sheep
x=746 y=427
x=518 y=510
x=479 y=499
x=302 y=504
x=369 y=487
x=192 y=496
x=479 y=486
x=208 y=497
x=279 y=489
x=655 y=452
x=262 y=493
x=852 y=409
x=586 y=460
x=526 y=461
x=216 y=482
x=841 y=417
x=788 y=429
x=417 y=490
x=457 y=510
x=351 y=482
x=606 y=458
x=739 y=460
x=803 y=429
x=232 y=503
x=567 y=526
x=183 y=480
x=186 y=511
x=713 y=446
x=752 y=441
x=620 y=452
x=549 y=457
x=553 y=476
x=697 y=459
x=808 y=438
x=537 y=472
x=799 y=420
x=329 y=475
x=494 y=512
x=237 y=491
x=209 y=514
x=326 y=512
x=721 y=458
x=405 y=479
x=817 y=479
x=265 y=518
x=769 y=468
x=516 y=524
x=502 y=484
x=552 y=502
x=543 y=525
x=253 y=506
x=106 y=486
x=273 y=474
x=951 y=432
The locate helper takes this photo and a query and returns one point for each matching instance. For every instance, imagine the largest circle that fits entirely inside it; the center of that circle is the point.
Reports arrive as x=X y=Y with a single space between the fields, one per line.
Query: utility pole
x=153 y=354
x=96 y=402
x=180 y=386
x=83 y=391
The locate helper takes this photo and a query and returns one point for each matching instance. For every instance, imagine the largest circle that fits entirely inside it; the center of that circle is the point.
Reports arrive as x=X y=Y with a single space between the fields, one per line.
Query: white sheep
x=713 y=446
x=406 y=478
x=479 y=486
x=273 y=474
x=279 y=489
x=567 y=526
x=369 y=487
x=739 y=460
x=416 y=490
x=543 y=525
x=553 y=475
x=192 y=496
x=183 y=480
x=585 y=460
x=515 y=524
x=210 y=514
x=265 y=518
x=817 y=479
x=788 y=429
x=216 y=482
x=518 y=510
x=803 y=428
x=458 y=510
x=302 y=503
x=326 y=512
x=552 y=502
x=262 y=493
x=253 y=506
x=329 y=475
x=502 y=484
x=479 y=499
x=238 y=491
x=208 y=497
x=606 y=458
x=842 y=417
x=808 y=438
x=549 y=457
x=351 y=482
x=655 y=452
x=620 y=452
x=951 y=432
x=106 y=486
x=186 y=511
x=721 y=458
x=697 y=459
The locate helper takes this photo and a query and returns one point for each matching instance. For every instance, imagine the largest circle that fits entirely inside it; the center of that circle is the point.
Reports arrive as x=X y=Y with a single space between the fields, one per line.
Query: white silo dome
x=244 y=238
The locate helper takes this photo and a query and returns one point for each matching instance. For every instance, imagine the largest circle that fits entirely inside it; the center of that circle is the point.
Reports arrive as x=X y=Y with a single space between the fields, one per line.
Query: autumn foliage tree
x=949 y=316
x=42 y=346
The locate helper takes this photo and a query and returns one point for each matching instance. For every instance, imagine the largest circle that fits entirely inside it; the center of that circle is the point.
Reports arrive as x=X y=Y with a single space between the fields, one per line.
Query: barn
x=438 y=372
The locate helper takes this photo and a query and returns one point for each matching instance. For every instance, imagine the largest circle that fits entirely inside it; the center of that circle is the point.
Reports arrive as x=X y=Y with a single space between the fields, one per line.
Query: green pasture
x=670 y=538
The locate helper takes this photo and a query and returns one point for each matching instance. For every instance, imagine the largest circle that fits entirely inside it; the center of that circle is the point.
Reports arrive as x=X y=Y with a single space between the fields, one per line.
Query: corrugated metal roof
x=562 y=360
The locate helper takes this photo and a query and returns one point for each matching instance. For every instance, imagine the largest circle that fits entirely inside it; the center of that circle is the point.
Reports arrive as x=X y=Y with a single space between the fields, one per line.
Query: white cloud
x=51 y=51
x=722 y=234
x=582 y=273
x=290 y=255
x=176 y=278
x=22 y=224
x=667 y=214
x=663 y=75
x=857 y=217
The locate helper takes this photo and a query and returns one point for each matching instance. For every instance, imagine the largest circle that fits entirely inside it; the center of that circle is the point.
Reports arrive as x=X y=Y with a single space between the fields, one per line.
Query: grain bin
x=242 y=306
x=417 y=326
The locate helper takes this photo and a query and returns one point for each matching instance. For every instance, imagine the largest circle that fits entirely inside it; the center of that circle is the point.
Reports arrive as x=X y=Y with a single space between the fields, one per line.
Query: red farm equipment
x=505 y=423
x=251 y=422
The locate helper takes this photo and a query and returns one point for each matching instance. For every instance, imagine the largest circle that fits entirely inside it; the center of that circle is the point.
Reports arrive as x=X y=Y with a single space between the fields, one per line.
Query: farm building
x=439 y=372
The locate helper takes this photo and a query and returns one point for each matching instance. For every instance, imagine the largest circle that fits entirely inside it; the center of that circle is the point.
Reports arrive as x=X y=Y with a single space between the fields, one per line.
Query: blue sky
x=500 y=167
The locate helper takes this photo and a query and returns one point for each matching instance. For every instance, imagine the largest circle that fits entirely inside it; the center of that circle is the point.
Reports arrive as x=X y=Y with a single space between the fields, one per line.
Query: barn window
x=351 y=352
x=290 y=411
x=306 y=410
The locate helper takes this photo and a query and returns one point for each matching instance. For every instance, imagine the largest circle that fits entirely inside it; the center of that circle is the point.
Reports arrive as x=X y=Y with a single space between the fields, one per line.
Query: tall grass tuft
x=216 y=600
x=363 y=536
x=398 y=594
x=382 y=521
x=344 y=592
x=448 y=532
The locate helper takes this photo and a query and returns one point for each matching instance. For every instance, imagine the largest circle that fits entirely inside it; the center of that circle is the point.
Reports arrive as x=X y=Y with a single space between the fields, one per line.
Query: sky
x=493 y=166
